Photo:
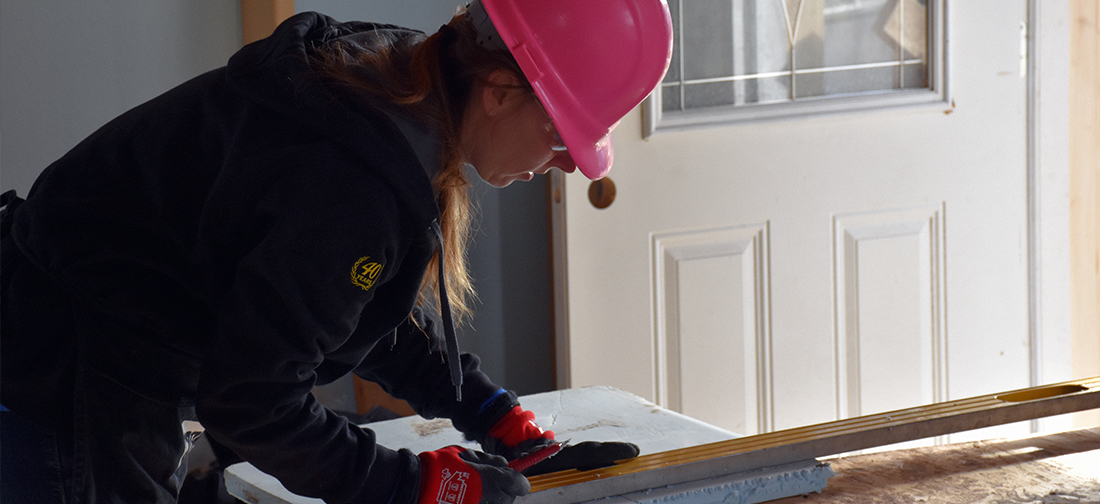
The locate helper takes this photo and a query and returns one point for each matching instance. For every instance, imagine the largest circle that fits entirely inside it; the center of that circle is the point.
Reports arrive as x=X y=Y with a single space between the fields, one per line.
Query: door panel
x=890 y=269
x=710 y=282
x=889 y=275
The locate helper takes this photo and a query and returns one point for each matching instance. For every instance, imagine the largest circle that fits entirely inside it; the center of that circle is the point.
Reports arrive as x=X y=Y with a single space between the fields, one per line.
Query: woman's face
x=508 y=136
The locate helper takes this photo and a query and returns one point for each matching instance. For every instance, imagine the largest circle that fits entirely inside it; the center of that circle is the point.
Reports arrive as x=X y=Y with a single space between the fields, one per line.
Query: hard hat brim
x=593 y=157
x=588 y=63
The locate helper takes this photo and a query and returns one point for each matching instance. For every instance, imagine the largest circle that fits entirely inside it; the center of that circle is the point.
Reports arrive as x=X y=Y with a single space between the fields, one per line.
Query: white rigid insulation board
x=576 y=415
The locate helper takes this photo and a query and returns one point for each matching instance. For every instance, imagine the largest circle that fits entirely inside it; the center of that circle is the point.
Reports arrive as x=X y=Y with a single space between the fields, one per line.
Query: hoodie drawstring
x=448 y=323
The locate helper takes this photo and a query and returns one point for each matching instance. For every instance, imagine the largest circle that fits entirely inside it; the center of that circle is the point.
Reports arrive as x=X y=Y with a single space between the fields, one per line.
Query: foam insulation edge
x=750 y=487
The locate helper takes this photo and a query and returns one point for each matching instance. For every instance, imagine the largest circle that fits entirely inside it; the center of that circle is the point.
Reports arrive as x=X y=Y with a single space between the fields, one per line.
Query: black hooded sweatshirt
x=261 y=236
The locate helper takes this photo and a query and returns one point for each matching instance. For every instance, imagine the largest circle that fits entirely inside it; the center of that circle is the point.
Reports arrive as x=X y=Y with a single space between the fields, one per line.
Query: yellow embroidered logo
x=365 y=273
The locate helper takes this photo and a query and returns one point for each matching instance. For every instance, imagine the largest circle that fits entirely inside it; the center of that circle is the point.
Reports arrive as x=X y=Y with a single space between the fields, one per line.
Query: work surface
x=1049 y=468
x=584 y=414
x=1046 y=468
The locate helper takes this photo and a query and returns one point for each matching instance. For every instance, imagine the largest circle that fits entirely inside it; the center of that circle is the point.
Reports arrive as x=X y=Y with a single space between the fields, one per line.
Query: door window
x=736 y=60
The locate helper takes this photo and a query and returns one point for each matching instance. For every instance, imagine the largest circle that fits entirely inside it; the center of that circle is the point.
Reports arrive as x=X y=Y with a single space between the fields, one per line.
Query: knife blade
x=526 y=461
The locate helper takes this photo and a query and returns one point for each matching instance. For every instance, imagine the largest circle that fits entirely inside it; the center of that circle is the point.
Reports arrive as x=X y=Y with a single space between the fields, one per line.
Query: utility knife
x=526 y=461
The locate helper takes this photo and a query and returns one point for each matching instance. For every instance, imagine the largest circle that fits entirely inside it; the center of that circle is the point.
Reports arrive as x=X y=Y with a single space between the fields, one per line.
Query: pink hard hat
x=590 y=62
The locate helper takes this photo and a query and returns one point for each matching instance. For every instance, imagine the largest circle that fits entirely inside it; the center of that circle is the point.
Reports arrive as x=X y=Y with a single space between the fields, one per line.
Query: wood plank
x=1084 y=188
x=1060 y=467
x=369 y=394
x=780 y=447
x=260 y=17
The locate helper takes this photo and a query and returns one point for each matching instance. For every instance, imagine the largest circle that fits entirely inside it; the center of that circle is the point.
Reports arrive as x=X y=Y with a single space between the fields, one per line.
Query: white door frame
x=1047 y=45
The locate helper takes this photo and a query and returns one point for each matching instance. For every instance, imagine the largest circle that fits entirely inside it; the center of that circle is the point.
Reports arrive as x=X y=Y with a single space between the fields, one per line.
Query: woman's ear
x=497 y=94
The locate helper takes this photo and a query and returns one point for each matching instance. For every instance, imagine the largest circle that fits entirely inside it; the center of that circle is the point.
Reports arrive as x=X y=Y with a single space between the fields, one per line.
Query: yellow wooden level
x=805 y=443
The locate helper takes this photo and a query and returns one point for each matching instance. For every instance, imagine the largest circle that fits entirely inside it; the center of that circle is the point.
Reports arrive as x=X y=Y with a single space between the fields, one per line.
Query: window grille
x=738 y=60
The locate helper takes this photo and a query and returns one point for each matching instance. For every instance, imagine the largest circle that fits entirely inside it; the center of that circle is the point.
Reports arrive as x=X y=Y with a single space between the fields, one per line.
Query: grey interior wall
x=512 y=329
x=424 y=15
x=67 y=67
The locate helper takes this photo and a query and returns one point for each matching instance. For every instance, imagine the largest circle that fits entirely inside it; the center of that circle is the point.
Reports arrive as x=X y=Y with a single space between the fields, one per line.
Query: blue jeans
x=123 y=448
x=97 y=406
x=33 y=462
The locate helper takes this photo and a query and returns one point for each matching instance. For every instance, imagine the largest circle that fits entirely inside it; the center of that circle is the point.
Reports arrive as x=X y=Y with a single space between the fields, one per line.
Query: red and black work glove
x=516 y=434
x=456 y=475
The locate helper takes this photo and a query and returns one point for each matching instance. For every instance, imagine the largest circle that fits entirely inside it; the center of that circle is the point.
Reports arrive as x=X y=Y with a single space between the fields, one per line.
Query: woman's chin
x=506 y=180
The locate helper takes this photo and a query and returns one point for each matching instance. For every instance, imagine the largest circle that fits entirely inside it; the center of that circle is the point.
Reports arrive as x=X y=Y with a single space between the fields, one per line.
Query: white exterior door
x=773 y=274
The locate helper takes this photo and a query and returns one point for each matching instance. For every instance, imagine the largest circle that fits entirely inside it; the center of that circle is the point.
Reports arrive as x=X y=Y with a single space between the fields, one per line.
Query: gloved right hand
x=516 y=434
x=456 y=475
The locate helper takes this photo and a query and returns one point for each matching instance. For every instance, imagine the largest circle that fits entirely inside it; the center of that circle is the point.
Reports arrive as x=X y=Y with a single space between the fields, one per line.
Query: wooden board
x=1084 y=191
x=370 y=394
x=260 y=17
x=1048 y=468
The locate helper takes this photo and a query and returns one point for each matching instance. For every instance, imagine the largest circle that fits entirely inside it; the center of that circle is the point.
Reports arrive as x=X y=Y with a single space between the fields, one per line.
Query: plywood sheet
x=1052 y=468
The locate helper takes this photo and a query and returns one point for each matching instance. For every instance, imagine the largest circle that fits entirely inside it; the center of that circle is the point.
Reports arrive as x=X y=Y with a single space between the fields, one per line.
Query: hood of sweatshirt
x=301 y=96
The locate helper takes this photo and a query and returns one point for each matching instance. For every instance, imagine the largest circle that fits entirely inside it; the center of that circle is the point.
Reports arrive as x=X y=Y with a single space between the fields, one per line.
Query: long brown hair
x=434 y=78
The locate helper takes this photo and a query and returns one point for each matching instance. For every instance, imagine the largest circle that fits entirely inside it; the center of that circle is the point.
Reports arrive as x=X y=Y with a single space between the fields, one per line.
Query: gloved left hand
x=516 y=434
x=456 y=475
